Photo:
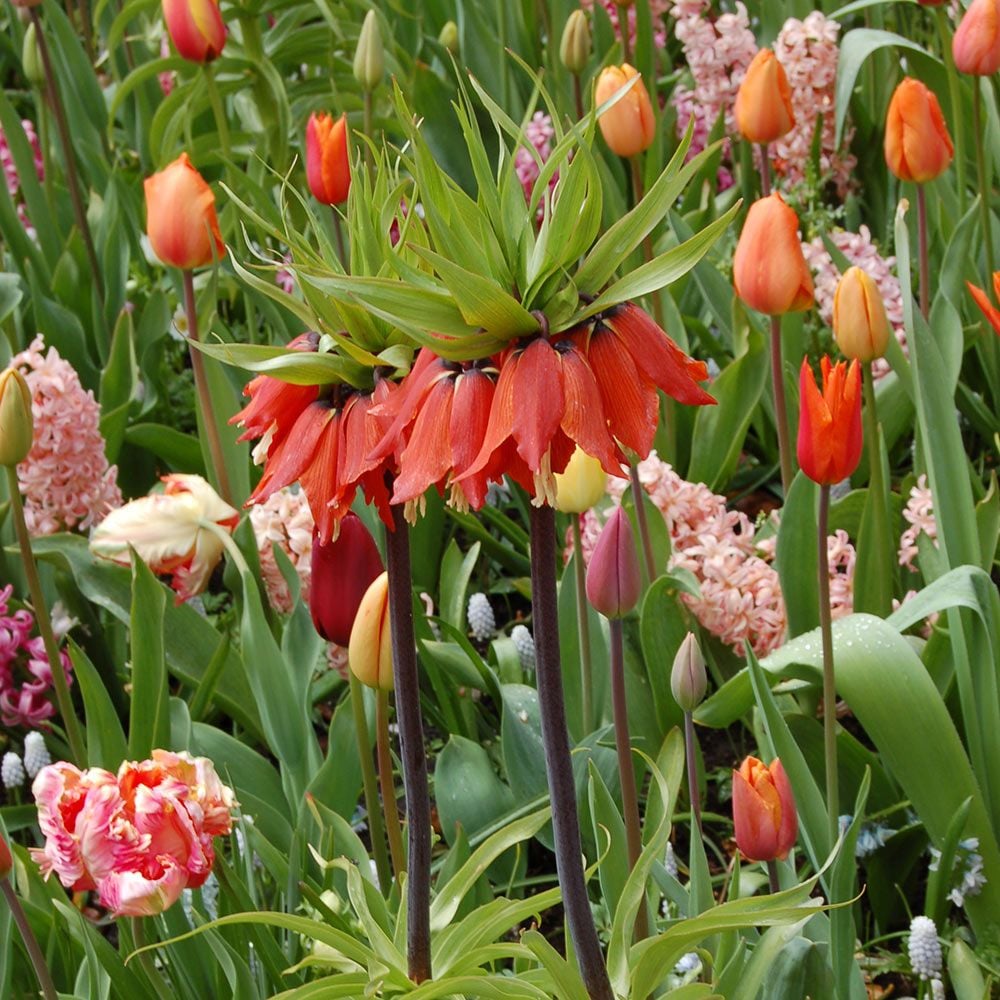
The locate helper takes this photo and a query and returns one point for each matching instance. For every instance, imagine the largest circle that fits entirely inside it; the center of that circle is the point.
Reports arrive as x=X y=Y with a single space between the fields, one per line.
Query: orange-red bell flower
x=180 y=217
x=328 y=159
x=196 y=28
x=630 y=125
x=976 y=43
x=982 y=300
x=763 y=810
x=763 y=109
x=829 y=444
x=917 y=144
x=769 y=270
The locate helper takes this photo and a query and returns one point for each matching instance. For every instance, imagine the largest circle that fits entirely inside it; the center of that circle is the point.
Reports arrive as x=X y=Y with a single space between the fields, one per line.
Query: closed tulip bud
x=859 y=320
x=26 y=5
x=976 y=44
x=763 y=108
x=628 y=127
x=328 y=159
x=769 y=271
x=196 y=28
x=17 y=426
x=581 y=485
x=574 y=48
x=369 y=652
x=369 y=59
x=449 y=37
x=180 y=217
x=688 y=680
x=31 y=58
x=829 y=443
x=614 y=583
x=6 y=861
x=763 y=810
x=342 y=571
x=917 y=144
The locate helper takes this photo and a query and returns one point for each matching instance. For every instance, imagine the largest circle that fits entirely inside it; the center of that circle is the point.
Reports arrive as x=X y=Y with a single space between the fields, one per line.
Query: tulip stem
x=74 y=734
x=626 y=768
x=772 y=876
x=780 y=406
x=690 y=745
x=765 y=170
x=829 y=682
x=145 y=959
x=338 y=229
x=218 y=111
x=369 y=131
x=386 y=783
x=979 y=128
x=583 y=630
x=925 y=269
x=411 y=747
x=876 y=486
x=624 y=32
x=558 y=766
x=638 y=495
x=369 y=782
x=79 y=212
x=578 y=95
x=30 y=941
x=957 y=122
x=204 y=395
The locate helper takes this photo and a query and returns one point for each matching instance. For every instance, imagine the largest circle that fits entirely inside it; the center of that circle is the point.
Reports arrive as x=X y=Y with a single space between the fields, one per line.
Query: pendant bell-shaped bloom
x=763 y=109
x=830 y=438
x=196 y=28
x=976 y=43
x=582 y=484
x=769 y=270
x=369 y=652
x=614 y=581
x=328 y=159
x=17 y=426
x=181 y=223
x=763 y=811
x=918 y=147
x=628 y=127
x=342 y=571
x=982 y=300
x=167 y=532
x=860 y=323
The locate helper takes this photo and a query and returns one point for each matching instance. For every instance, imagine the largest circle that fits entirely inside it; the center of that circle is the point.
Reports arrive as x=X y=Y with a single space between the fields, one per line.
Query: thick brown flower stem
x=411 y=748
x=638 y=495
x=74 y=734
x=829 y=682
x=558 y=767
x=925 y=267
x=626 y=768
x=780 y=406
x=583 y=630
x=31 y=945
x=387 y=784
x=204 y=395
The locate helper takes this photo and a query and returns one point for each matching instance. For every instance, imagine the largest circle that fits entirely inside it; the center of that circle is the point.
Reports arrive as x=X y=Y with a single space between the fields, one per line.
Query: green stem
x=690 y=745
x=218 y=111
x=35 y=953
x=639 y=496
x=388 y=786
x=74 y=734
x=979 y=127
x=957 y=119
x=780 y=406
x=370 y=785
x=877 y=489
x=370 y=132
x=338 y=229
x=205 y=403
x=145 y=960
x=583 y=630
x=578 y=96
x=925 y=266
x=829 y=680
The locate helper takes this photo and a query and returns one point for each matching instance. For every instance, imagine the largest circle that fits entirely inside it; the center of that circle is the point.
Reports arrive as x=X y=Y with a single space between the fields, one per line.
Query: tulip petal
x=753 y=819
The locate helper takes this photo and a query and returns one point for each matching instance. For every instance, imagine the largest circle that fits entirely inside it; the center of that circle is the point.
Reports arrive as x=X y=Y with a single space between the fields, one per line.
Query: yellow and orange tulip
x=630 y=125
x=917 y=144
x=764 y=815
x=860 y=324
x=763 y=109
x=196 y=28
x=369 y=651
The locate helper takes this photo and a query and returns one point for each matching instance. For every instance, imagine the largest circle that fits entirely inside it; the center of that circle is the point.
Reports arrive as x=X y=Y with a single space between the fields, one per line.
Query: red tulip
x=976 y=45
x=328 y=160
x=614 y=583
x=763 y=108
x=6 y=861
x=829 y=445
x=763 y=810
x=196 y=28
x=917 y=144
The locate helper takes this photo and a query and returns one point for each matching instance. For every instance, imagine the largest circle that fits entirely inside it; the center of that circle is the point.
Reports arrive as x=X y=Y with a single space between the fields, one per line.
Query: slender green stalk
x=780 y=406
x=218 y=110
x=558 y=766
x=925 y=267
x=694 y=794
x=829 y=680
x=370 y=132
x=626 y=768
x=338 y=229
x=957 y=118
x=35 y=953
x=204 y=395
x=979 y=129
x=370 y=785
x=145 y=960
x=638 y=495
x=578 y=96
x=74 y=734
x=583 y=630
x=386 y=783
x=876 y=485
x=772 y=876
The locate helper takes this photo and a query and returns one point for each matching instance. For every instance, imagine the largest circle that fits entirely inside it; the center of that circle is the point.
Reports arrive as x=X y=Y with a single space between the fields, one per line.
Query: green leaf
x=149 y=721
x=521 y=739
x=608 y=826
x=797 y=558
x=106 y=743
x=296 y=367
x=456 y=571
x=566 y=978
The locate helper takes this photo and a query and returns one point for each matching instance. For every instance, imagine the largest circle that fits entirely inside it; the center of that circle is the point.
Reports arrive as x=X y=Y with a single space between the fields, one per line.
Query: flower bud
x=917 y=144
x=763 y=810
x=829 y=441
x=581 y=485
x=614 y=583
x=859 y=320
x=25 y=5
x=196 y=28
x=449 y=37
x=342 y=571
x=976 y=43
x=688 y=680
x=369 y=59
x=6 y=861
x=31 y=58
x=628 y=127
x=17 y=426
x=769 y=271
x=763 y=108
x=369 y=651
x=328 y=159
x=574 y=49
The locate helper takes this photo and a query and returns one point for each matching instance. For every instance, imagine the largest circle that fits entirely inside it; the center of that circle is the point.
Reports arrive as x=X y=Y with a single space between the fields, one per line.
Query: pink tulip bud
x=613 y=579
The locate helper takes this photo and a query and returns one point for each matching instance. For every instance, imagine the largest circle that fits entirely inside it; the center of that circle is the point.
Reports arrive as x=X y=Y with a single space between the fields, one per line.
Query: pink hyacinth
x=539 y=133
x=24 y=700
x=139 y=838
x=285 y=520
x=919 y=514
x=657 y=11
x=65 y=480
x=13 y=179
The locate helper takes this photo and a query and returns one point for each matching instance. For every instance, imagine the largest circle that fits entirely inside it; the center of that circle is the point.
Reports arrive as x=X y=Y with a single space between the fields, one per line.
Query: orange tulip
x=180 y=217
x=829 y=445
x=763 y=810
x=859 y=320
x=328 y=161
x=764 y=101
x=769 y=270
x=976 y=45
x=196 y=28
x=917 y=144
x=628 y=127
x=990 y=311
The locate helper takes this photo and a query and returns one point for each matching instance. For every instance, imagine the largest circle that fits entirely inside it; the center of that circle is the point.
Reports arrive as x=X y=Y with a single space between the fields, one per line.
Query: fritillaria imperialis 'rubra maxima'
x=763 y=810
x=763 y=108
x=917 y=144
x=829 y=444
x=328 y=159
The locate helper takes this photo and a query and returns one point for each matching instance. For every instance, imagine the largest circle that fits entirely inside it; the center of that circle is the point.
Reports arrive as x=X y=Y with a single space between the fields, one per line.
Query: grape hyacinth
x=524 y=643
x=482 y=623
x=11 y=771
x=36 y=753
x=924 y=948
